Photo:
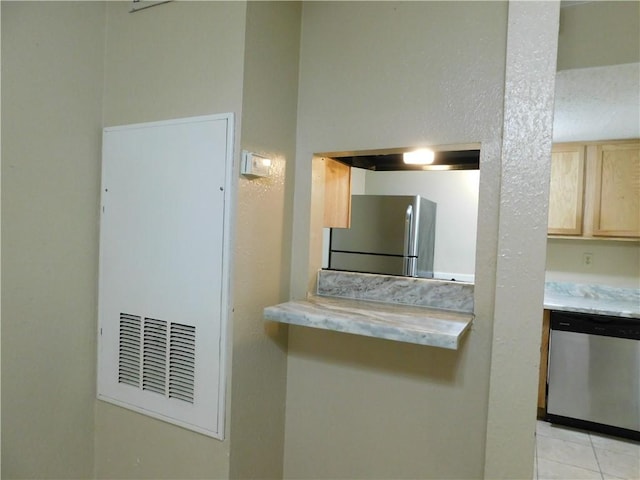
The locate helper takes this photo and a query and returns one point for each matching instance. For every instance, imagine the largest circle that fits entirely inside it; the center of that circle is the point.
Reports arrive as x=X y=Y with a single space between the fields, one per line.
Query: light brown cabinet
x=566 y=191
x=617 y=194
x=595 y=190
x=337 y=194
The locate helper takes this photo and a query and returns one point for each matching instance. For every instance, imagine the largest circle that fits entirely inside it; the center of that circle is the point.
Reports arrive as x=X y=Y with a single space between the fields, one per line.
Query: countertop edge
x=348 y=316
x=594 y=311
x=594 y=299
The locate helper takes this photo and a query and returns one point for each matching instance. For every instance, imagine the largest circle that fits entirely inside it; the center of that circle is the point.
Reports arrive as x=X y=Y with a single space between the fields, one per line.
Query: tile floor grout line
x=565 y=440
x=593 y=447
x=573 y=463
x=578 y=467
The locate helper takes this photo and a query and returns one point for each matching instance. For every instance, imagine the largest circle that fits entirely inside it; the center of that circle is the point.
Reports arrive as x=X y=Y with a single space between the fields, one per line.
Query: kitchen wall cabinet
x=595 y=190
x=566 y=192
x=617 y=194
x=337 y=194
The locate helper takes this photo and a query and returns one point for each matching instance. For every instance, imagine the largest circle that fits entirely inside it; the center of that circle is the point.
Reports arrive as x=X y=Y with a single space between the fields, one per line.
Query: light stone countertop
x=422 y=292
x=423 y=311
x=594 y=299
x=403 y=323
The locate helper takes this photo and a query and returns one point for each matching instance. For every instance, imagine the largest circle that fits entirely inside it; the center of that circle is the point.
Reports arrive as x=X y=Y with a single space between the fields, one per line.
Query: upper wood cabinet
x=567 y=186
x=617 y=193
x=595 y=190
x=337 y=194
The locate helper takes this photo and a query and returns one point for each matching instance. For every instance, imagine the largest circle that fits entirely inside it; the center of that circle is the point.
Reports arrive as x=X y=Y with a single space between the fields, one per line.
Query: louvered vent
x=129 y=355
x=154 y=363
x=157 y=356
x=182 y=362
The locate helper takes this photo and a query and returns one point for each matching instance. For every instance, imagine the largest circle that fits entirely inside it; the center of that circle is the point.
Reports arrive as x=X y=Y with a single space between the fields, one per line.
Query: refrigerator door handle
x=409 y=244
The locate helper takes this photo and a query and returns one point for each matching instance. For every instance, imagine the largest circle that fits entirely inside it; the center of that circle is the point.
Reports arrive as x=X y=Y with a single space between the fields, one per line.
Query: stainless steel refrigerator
x=393 y=235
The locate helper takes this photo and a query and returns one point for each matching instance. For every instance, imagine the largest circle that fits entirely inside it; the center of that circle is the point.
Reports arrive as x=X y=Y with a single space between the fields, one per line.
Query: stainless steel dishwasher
x=594 y=373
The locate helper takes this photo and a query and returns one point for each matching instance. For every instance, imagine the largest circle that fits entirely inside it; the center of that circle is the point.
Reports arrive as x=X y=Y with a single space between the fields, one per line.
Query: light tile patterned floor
x=565 y=453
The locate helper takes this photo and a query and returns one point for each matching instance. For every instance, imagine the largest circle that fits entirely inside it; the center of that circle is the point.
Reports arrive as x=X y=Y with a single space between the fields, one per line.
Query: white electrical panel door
x=163 y=285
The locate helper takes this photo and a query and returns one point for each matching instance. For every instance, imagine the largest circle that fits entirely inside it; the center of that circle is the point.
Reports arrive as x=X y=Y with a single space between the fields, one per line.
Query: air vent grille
x=129 y=354
x=154 y=363
x=157 y=356
x=182 y=362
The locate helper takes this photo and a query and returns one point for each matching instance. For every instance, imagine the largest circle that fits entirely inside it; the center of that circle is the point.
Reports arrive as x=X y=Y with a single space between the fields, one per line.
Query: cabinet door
x=566 y=190
x=337 y=194
x=617 y=195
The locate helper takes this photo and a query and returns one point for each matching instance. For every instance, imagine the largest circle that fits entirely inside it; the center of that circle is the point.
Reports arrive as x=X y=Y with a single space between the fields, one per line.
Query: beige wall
x=259 y=365
x=180 y=59
x=371 y=76
x=595 y=34
x=250 y=68
x=52 y=66
x=170 y=61
x=380 y=75
x=615 y=263
x=524 y=197
x=599 y=33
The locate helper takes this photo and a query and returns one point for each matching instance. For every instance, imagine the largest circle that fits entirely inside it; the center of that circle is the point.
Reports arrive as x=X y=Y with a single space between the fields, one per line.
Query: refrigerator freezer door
x=377 y=226
x=389 y=234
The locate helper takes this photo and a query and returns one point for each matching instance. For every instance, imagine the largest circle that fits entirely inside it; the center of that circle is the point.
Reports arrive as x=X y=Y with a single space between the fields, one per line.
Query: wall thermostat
x=255 y=165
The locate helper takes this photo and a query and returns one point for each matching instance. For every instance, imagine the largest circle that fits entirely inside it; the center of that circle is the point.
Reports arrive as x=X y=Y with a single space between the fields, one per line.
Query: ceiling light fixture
x=424 y=156
x=437 y=167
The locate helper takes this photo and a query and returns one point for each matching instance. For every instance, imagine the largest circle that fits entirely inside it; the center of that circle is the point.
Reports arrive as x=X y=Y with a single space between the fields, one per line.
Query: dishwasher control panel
x=591 y=324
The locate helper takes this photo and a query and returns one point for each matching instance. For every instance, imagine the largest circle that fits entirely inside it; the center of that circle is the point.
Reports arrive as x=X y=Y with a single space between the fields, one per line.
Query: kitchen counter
x=403 y=323
x=594 y=299
x=412 y=310
x=423 y=292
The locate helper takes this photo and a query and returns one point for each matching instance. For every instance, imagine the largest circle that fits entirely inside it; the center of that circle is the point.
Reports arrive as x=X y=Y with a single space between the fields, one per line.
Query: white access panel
x=164 y=269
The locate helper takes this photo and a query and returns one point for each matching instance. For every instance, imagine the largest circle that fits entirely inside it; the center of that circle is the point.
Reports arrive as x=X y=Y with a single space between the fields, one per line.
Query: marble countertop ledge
x=594 y=299
x=422 y=292
x=402 y=323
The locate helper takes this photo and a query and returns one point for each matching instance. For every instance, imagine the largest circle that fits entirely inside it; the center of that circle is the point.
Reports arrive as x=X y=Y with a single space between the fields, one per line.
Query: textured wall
x=259 y=364
x=51 y=119
x=173 y=60
x=361 y=89
x=599 y=103
x=381 y=75
x=524 y=197
x=597 y=98
x=614 y=263
x=599 y=33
